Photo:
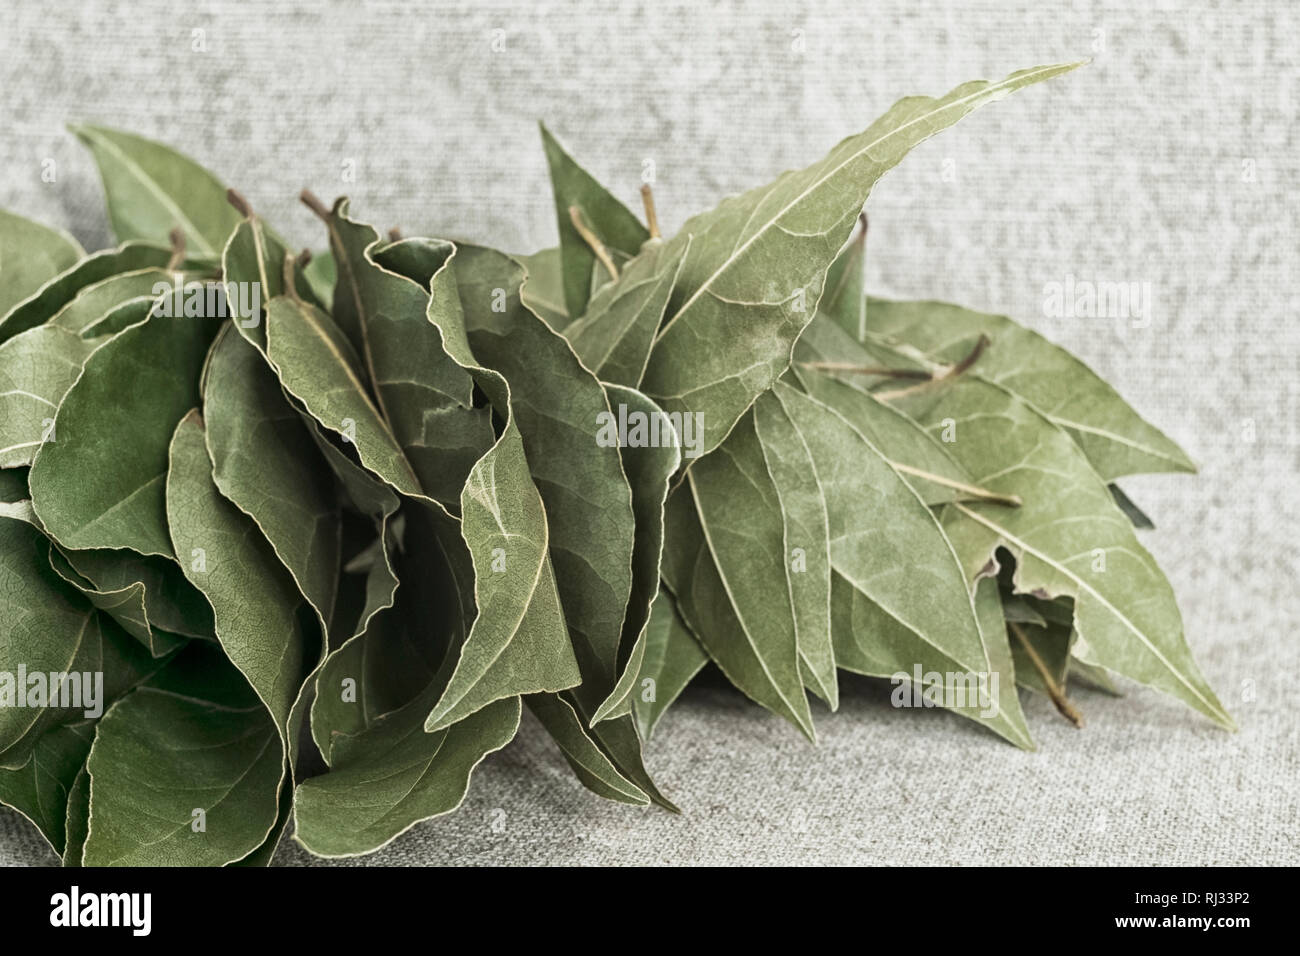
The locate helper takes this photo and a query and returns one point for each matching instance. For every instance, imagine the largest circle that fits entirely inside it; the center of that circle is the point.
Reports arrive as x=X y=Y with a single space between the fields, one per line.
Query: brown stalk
x=591 y=239
x=1054 y=690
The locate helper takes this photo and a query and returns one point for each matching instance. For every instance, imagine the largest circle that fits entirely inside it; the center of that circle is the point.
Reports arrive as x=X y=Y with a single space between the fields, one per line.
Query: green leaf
x=42 y=304
x=13 y=485
x=1114 y=437
x=543 y=291
x=518 y=642
x=672 y=659
x=314 y=363
x=425 y=396
x=768 y=675
x=152 y=189
x=321 y=274
x=266 y=463
x=806 y=552
x=592 y=766
x=607 y=218
x=912 y=605
x=744 y=529
x=94 y=303
x=649 y=470
x=844 y=299
x=116 y=423
x=171 y=602
x=31 y=255
x=157 y=759
x=36 y=370
x=254 y=599
x=126 y=605
x=614 y=337
x=757 y=262
x=399 y=776
x=40 y=790
x=1068 y=539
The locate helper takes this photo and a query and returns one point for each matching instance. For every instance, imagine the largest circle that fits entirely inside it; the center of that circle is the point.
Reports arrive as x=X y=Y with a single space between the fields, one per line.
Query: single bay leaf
x=672 y=658
x=196 y=755
x=757 y=262
x=321 y=273
x=115 y=423
x=611 y=222
x=40 y=789
x=844 y=299
x=125 y=605
x=1069 y=538
x=313 y=361
x=254 y=599
x=37 y=368
x=649 y=469
x=152 y=189
x=30 y=256
x=1115 y=438
x=708 y=608
x=130 y=256
x=744 y=528
x=806 y=554
x=77 y=818
x=46 y=626
x=92 y=303
x=543 y=291
x=614 y=337
x=592 y=766
x=266 y=463
x=398 y=775
x=171 y=602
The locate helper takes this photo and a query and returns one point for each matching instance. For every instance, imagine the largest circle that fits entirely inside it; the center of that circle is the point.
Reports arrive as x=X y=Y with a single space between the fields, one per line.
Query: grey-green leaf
x=1114 y=437
x=609 y=219
x=152 y=189
x=37 y=368
x=757 y=262
x=116 y=423
x=1069 y=538
x=30 y=256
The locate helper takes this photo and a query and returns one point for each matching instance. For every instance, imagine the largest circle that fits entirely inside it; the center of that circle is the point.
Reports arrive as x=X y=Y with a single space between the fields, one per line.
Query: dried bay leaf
x=611 y=222
x=37 y=367
x=757 y=262
x=30 y=256
x=1069 y=538
x=115 y=423
x=152 y=189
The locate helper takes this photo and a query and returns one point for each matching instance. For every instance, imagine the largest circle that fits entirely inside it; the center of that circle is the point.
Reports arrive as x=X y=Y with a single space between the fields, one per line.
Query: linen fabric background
x=1171 y=160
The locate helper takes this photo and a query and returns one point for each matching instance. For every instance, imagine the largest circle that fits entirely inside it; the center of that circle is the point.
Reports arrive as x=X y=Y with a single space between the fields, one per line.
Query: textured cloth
x=1170 y=160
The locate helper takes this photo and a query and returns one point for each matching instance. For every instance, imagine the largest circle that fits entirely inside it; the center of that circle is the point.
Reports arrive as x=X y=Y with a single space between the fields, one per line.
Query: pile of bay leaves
x=289 y=540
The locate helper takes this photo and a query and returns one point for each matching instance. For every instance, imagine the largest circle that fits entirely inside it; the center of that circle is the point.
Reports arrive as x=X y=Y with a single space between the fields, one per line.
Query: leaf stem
x=242 y=206
x=394 y=234
x=177 y=237
x=881 y=370
x=312 y=202
x=1054 y=690
x=591 y=239
x=651 y=219
x=1011 y=501
x=950 y=373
